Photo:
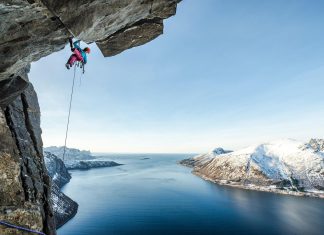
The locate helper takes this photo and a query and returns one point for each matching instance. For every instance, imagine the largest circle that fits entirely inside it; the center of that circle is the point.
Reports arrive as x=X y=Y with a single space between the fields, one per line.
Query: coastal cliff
x=64 y=207
x=56 y=169
x=31 y=30
x=75 y=159
x=25 y=186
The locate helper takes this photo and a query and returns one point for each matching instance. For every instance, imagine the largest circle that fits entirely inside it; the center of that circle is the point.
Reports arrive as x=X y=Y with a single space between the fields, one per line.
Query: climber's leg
x=71 y=61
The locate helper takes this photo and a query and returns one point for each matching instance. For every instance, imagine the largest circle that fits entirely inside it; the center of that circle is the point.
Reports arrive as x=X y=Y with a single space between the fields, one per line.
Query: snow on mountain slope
x=203 y=159
x=316 y=144
x=283 y=165
x=71 y=154
x=64 y=208
x=56 y=169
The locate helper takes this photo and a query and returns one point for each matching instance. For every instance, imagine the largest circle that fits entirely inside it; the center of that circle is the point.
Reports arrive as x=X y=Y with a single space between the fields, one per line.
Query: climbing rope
x=82 y=72
x=9 y=225
x=68 y=122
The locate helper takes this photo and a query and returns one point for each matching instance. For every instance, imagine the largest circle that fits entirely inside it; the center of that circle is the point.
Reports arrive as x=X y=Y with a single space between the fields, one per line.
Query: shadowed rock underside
x=30 y=30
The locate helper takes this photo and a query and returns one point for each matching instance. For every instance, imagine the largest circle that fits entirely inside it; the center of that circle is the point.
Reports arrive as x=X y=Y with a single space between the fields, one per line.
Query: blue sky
x=225 y=73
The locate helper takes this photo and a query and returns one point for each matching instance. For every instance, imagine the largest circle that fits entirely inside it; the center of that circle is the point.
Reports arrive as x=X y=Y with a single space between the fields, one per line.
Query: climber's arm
x=76 y=45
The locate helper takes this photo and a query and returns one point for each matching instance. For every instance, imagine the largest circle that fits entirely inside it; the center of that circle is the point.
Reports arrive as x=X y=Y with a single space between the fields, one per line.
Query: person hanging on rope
x=78 y=54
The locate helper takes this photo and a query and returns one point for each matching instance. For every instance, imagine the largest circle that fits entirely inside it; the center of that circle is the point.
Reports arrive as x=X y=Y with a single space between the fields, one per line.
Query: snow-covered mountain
x=71 y=154
x=203 y=159
x=316 y=144
x=76 y=159
x=282 y=166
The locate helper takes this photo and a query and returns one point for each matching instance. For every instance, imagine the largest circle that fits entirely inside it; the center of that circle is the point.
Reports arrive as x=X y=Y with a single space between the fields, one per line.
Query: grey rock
x=316 y=144
x=11 y=88
x=31 y=30
x=188 y=162
x=63 y=206
x=219 y=151
x=136 y=35
x=34 y=29
x=25 y=185
x=56 y=170
x=106 y=17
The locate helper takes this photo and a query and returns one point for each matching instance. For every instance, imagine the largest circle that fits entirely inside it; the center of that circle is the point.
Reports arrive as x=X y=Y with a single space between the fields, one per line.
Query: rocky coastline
x=260 y=188
x=284 y=167
x=64 y=207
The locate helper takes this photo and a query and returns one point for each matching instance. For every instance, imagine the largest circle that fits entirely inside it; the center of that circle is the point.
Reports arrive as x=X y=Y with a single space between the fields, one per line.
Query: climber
x=78 y=54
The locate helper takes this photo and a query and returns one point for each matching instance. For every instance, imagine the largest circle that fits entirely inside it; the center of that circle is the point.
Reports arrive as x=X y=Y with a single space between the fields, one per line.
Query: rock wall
x=64 y=208
x=56 y=169
x=30 y=30
x=25 y=185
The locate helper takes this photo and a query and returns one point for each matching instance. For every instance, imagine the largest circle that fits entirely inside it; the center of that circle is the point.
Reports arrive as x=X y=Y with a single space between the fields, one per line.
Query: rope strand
x=80 y=78
x=68 y=122
x=9 y=225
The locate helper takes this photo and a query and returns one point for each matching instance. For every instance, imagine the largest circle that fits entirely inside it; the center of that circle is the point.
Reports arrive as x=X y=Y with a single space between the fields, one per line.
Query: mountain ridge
x=284 y=166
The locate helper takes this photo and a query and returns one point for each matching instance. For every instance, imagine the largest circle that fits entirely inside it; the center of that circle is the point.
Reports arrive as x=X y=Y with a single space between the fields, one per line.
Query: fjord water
x=158 y=196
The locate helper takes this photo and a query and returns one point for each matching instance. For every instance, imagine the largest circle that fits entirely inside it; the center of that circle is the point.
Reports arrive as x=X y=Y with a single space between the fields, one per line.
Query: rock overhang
x=96 y=20
x=34 y=29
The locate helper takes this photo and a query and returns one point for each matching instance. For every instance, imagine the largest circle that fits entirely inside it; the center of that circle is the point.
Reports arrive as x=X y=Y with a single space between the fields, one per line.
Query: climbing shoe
x=67 y=66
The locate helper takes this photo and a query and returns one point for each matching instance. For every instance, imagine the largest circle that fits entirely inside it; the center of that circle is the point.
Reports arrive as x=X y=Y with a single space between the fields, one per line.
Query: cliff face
x=33 y=29
x=56 y=170
x=25 y=186
x=64 y=208
x=30 y=30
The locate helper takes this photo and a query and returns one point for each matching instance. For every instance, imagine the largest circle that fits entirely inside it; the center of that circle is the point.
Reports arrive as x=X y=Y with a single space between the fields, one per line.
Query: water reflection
x=289 y=214
x=157 y=196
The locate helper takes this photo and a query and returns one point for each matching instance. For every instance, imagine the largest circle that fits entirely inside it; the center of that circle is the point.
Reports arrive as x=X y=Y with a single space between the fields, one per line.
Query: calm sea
x=157 y=196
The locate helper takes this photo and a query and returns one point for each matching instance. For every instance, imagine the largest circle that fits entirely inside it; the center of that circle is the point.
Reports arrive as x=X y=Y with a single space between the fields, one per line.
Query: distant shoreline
x=259 y=188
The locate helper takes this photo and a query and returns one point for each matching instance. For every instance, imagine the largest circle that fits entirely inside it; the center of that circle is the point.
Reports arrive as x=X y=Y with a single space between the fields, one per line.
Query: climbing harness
x=9 y=225
x=70 y=107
